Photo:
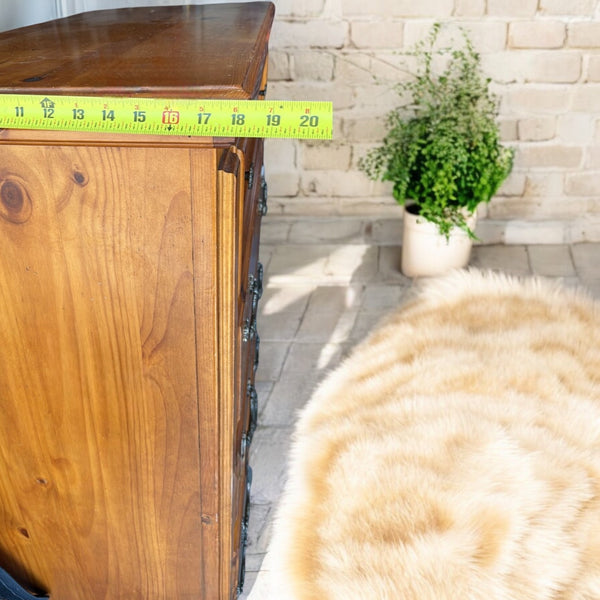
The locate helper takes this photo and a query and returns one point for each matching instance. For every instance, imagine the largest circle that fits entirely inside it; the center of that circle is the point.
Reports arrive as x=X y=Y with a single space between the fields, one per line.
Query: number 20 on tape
x=218 y=118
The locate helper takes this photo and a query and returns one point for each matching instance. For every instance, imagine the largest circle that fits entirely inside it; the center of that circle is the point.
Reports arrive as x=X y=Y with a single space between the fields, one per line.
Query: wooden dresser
x=129 y=279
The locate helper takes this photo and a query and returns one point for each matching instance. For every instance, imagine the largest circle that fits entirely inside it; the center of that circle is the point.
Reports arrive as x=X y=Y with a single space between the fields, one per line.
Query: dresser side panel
x=99 y=465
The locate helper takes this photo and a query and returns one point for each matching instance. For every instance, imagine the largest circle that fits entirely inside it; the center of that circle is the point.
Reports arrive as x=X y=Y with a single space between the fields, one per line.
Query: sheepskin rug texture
x=454 y=455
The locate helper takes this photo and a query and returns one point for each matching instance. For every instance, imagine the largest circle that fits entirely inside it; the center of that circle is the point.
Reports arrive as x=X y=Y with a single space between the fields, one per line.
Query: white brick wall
x=544 y=60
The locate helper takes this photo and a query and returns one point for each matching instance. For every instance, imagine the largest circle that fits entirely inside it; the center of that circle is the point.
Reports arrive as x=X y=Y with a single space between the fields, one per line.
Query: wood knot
x=15 y=204
x=80 y=178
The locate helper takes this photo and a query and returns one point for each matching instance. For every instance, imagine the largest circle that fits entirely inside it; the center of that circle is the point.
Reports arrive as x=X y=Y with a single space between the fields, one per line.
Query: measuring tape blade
x=213 y=118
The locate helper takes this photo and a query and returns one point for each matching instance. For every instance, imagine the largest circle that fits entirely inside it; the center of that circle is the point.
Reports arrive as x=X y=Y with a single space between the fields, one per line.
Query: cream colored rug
x=454 y=455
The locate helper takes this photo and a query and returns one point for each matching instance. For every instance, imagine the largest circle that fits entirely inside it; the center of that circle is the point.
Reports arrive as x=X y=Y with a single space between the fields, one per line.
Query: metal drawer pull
x=253 y=399
x=256 y=352
x=249 y=330
x=259 y=276
x=255 y=287
x=244 y=532
x=262 y=202
x=244 y=445
x=250 y=176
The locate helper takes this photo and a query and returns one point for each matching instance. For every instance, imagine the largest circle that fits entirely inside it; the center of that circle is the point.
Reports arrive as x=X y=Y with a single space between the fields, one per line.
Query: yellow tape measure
x=219 y=118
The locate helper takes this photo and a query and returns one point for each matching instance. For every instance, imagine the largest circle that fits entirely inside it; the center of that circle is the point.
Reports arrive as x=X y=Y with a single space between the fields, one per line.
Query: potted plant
x=442 y=152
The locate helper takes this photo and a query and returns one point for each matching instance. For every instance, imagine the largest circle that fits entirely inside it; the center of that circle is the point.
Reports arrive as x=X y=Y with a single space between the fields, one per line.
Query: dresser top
x=207 y=51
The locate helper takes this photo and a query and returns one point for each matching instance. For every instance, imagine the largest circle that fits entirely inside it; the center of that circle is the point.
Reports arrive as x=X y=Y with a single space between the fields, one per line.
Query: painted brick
x=303 y=205
x=487 y=36
x=537 y=99
x=387 y=66
x=309 y=34
x=364 y=69
x=584 y=35
x=512 y=8
x=544 y=184
x=349 y=52
x=469 y=8
x=299 y=8
x=537 y=129
x=543 y=66
x=490 y=232
x=586 y=98
x=583 y=184
x=508 y=129
x=561 y=207
x=363 y=129
x=537 y=207
x=377 y=34
x=553 y=155
x=567 y=7
x=280 y=155
x=592 y=158
x=377 y=99
x=536 y=34
x=554 y=67
x=593 y=68
x=283 y=185
x=575 y=128
x=279 y=66
x=514 y=184
x=399 y=8
x=313 y=65
x=534 y=232
x=340 y=94
x=502 y=207
x=504 y=67
x=369 y=205
x=340 y=183
x=325 y=155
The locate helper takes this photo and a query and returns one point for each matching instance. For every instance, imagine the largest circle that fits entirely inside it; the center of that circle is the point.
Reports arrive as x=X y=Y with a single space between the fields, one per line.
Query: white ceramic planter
x=426 y=253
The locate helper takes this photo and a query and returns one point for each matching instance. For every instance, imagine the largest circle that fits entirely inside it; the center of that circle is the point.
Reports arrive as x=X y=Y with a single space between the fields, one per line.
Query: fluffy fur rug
x=454 y=455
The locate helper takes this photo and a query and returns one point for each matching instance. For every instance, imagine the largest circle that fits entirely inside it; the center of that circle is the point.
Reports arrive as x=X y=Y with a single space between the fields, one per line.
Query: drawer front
x=251 y=284
x=254 y=205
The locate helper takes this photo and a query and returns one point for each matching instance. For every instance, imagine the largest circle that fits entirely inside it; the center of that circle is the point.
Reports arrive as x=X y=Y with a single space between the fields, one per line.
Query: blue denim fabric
x=11 y=590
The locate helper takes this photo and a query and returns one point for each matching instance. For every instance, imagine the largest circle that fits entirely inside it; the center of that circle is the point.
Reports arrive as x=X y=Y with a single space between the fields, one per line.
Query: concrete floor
x=327 y=283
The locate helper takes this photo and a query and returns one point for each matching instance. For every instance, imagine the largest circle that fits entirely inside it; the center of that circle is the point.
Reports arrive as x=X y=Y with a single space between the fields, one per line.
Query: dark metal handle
x=256 y=352
x=244 y=445
x=262 y=202
x=253 y=399
x=255 y=287
x=249 y=330
x=244 y=532
x=250 y=176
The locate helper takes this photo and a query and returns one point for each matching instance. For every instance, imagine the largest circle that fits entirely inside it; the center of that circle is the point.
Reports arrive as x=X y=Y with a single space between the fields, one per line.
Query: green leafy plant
x=442 y=150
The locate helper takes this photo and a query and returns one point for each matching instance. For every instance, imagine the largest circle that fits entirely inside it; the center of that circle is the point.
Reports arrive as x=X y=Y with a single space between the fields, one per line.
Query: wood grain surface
x=99 y=461
x=124 y=266
x=206 y=51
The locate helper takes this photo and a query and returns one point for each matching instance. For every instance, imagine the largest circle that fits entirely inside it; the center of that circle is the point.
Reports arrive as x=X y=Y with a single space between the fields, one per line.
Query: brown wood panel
x=123 y=290
x=229 y=211
x=201 y=51
x=99 y=466
x=205 y=252
x=80 y=138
